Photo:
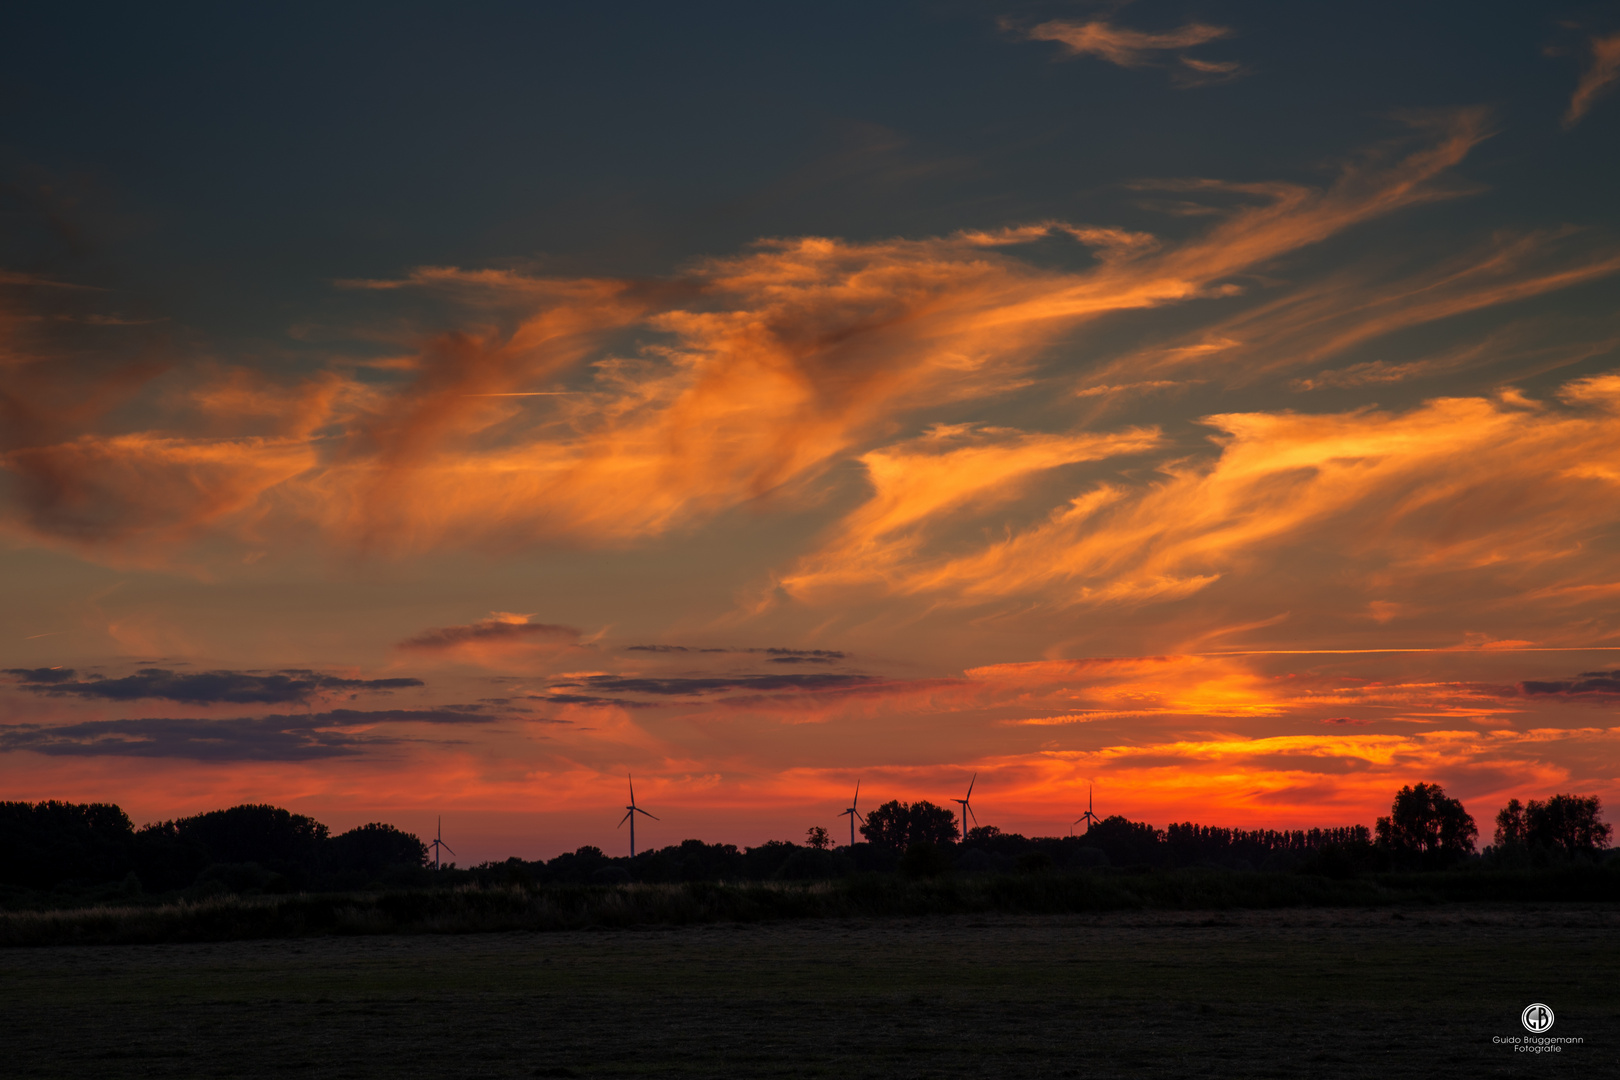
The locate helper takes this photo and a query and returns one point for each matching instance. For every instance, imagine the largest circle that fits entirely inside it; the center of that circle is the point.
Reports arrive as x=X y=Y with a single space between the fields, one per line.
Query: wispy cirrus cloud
x=1409 y=480
x=1602 y=71
x=756 y=374
x=1128 y=48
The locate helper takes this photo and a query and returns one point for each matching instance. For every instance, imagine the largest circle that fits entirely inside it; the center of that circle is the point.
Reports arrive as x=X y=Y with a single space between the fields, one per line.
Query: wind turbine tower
x=1088 y=817
x=630 y=813
x=438 y=842
x=854 y=814
x=967 y=807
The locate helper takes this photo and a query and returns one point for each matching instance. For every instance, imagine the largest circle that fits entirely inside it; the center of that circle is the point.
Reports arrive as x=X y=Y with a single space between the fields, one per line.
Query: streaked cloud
x=1602 y=70
x=1128 y=48
x=202 y=688
x=1121 y=45
x=502 y=639
x=757 y=373
x=305 y=737
x=1409 y=480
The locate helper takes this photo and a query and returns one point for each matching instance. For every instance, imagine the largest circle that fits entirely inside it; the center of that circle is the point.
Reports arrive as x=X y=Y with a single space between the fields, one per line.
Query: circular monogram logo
x=1536 y=1018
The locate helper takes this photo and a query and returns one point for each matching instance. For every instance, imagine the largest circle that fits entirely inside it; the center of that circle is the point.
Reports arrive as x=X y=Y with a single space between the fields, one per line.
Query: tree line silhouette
x=258 y=848
x=252 y=847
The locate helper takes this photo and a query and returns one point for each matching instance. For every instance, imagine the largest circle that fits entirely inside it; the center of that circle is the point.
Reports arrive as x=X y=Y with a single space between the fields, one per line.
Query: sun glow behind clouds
x=1234 y=528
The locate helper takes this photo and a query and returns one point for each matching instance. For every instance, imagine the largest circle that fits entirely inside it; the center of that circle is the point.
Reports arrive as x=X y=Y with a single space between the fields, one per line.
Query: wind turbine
x=630 y=813
x=438 y=842
x=1088 y=817
x=967 y=807
x=854 y=814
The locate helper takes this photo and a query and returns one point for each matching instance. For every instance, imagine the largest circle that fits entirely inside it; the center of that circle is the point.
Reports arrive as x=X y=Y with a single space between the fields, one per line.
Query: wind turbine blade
x=632 y=780
x=971 y=783
x=857 y=799
x=624 y=819
x=639 y=810
x=971 y=814
x=861 y=819
x=450 y=849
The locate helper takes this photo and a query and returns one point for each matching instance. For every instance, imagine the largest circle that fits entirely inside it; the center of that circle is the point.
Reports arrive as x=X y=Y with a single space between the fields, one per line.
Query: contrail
x=1444 y=649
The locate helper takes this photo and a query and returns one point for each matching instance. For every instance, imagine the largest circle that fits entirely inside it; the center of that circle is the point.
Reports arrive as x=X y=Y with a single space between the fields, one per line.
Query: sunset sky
x=415 y=410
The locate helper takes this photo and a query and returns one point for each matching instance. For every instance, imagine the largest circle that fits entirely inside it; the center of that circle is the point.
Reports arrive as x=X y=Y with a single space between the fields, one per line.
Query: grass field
x=1314 y=992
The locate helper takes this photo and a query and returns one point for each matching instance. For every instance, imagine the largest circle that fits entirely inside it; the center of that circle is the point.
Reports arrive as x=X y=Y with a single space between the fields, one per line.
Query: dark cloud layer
x=591 y=699
x=258 y=738
x=1587 y=682
x=205 y=688
x=614 y=684
x=777 y=656
x=489 y=632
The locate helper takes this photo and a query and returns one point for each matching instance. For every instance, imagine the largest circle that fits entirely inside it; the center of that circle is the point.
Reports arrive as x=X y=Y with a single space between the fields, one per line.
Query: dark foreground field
x=1321 y=993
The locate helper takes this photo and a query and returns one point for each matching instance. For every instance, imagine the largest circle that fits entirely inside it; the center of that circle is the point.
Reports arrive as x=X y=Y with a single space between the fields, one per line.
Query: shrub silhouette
x=924 y=860
x=1033 y=862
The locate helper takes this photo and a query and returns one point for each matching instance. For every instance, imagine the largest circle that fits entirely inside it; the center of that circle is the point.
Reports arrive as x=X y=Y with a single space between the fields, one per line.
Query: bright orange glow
x=1236 y=530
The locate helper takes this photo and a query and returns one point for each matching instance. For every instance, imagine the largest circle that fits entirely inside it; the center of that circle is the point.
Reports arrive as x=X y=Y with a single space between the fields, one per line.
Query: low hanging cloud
x=500 y=636
x=300 y=737
x=773 y=655
x=689 y=686
x=1602 y=72
x=1586 y=684
x=203 y=688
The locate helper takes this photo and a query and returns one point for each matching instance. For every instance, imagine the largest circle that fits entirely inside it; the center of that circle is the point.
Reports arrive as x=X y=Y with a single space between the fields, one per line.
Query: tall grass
x=484 y=908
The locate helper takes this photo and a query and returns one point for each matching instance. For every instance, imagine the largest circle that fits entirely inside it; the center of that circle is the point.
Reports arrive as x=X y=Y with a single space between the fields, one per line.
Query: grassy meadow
x=1321 y=992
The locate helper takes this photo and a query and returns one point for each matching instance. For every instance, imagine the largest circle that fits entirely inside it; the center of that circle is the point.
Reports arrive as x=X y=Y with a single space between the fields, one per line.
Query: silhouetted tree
x=818 y=838
x=376 y=847
x=887 y=826
x=930 y=824
x=43 y=844
x=1425 y=822
x=1569 y=823
x=896 y=825
x=1510 y=825
x=274 y=838
x=1125 y=841
x=765 y=860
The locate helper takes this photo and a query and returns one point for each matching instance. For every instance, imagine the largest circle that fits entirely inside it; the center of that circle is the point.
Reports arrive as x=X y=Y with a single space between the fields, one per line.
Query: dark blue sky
x=227 y=163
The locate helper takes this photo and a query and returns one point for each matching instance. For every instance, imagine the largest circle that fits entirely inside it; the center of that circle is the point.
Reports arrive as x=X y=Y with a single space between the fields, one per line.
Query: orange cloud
x=1356 y=306
x=1455 y=485
x=1597 y=79
x=742 y=381
x=1132 y=48
x=1215 y=739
